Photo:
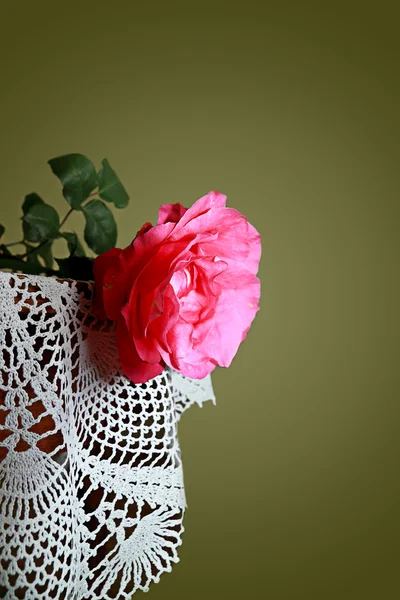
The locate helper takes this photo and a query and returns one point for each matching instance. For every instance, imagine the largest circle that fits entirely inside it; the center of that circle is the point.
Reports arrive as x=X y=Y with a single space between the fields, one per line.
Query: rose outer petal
x=212 y=200
x=170 y=213
x=109 y=289
x=133 y=366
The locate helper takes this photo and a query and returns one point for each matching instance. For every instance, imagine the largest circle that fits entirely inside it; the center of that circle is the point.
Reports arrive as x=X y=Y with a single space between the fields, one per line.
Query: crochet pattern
x=91 y=483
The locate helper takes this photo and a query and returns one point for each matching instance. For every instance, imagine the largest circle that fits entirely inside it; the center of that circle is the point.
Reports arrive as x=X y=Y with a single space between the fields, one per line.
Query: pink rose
x=184 y=293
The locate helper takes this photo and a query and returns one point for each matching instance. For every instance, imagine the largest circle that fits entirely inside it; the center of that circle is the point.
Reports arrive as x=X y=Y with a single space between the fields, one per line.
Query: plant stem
x=92 y=195
x=33 y=249
x=66 y=217
x=71 y=210
x=13 y=244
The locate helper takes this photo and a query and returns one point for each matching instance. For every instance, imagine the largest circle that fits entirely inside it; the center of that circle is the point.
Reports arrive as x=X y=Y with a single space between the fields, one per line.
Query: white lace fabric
x=91 y=482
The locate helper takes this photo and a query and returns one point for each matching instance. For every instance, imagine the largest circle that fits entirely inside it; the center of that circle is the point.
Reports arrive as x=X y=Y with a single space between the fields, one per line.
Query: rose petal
x=110 y=286
x=180 y=340
x=236 y=239
x=133 y=366
x=170 y=213
x=189 y=368
x=144 y=229
x=159 y=327
x=234 y=314
x=203 y=205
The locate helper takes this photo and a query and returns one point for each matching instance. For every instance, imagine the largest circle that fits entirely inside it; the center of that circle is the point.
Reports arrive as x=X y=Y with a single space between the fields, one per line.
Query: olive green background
x=292 y=110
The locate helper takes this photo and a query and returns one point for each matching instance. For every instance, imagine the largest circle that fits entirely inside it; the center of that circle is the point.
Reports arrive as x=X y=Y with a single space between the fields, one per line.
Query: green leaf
x=74 y=245
x=79 y=268
x=2 y=230
x=16 y=264
x=46 y=253
x=40 y=222
x=110 y=187
x=101 y=228
x=31 y=200
x=4 y=250
x=78 y=176
x=32 y=257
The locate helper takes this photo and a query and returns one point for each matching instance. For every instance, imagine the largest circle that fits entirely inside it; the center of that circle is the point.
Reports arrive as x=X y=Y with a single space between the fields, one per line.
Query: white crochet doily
x=91 y=483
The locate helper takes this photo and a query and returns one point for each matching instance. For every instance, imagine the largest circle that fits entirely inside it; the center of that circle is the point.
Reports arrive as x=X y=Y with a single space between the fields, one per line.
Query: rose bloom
x=184 y=293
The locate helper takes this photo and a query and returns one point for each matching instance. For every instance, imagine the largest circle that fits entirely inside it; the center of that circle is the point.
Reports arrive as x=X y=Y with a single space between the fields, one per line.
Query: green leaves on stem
x=82 y=188
x=74 y=246
x=43 y=250
x=80 y=182
x=16 y=264
x=110 y=187
x=40 y=221
x=78 y=176
x=101 y=228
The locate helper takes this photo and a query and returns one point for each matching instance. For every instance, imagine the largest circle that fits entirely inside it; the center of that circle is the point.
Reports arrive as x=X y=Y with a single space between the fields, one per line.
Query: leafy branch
x=85 y=190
